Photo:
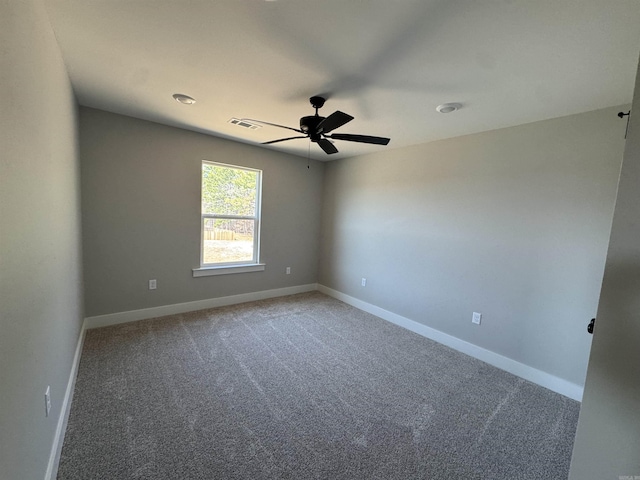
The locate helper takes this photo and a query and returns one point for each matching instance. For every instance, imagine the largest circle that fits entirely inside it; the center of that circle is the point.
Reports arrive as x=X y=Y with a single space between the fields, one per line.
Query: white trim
x=534 y=375
x=134 y=315
x=63 y=419
x=229 y=217
x=228 y=269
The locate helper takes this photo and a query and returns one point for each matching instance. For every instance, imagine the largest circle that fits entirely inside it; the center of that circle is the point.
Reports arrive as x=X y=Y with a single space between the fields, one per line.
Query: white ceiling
x=388 y=63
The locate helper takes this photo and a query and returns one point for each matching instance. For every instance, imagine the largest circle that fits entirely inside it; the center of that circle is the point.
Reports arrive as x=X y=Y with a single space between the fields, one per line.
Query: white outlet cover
x=364 y=282
x=477 y=317
x=288 y=271
x=153 y=284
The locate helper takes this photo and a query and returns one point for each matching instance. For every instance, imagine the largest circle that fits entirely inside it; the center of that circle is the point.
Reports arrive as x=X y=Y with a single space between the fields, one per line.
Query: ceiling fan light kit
x=316 y=129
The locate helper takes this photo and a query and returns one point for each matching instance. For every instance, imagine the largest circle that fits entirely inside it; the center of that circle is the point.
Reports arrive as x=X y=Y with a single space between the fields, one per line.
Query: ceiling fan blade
x=333 y=121
x=281 y=140
x=272 y=124
x=360 y=138
x=327 y=146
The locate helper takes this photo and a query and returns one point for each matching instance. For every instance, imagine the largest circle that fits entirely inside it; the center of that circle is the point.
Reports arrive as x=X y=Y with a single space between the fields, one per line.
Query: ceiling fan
x=316 y=128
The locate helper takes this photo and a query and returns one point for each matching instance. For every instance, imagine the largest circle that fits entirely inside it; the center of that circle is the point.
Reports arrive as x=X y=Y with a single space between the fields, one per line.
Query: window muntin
x=230 y=215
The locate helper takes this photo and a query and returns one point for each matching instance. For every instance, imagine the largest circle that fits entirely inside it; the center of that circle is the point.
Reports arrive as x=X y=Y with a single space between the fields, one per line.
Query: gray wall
x=511 y=223
x=607 y=442
x=141 y=214
x=40 y=251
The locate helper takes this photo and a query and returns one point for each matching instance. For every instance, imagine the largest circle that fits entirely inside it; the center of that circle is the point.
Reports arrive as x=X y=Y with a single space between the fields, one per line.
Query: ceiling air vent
x=245 y=124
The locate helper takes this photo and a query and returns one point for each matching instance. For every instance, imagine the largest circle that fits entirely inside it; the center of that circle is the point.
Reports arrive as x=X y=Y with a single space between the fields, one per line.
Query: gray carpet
x=302 y=387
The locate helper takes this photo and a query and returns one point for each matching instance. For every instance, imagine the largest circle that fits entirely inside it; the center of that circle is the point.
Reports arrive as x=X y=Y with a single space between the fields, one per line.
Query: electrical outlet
x=364 y=282
x=477 y=317
x=47 y=401
x=288 y=271
x=153 y=284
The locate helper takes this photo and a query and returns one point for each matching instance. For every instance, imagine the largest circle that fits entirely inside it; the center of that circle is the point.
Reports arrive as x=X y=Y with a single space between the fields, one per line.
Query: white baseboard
x=134 y=315
x=534 y=375
x=61 y=428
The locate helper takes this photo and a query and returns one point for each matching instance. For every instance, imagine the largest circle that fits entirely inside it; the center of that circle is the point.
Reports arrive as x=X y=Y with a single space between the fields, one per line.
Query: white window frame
x=221 y=268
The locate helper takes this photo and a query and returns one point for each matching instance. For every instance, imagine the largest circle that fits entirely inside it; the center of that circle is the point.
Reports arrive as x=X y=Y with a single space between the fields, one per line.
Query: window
x=230 y=219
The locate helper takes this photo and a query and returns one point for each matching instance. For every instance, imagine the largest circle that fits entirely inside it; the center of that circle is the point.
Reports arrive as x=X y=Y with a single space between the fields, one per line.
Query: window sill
x=228 y=269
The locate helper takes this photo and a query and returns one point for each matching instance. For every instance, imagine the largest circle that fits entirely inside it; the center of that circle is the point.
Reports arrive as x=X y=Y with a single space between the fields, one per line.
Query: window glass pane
x=228 y=191
x=226 y=240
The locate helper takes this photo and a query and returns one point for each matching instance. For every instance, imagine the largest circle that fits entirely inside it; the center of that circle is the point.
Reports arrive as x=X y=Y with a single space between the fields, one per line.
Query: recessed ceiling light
x=185 y=99
x=448 y=107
